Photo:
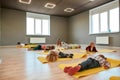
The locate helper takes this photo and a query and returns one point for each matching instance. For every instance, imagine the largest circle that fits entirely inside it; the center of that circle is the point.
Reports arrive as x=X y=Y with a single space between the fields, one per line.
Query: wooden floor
x=20 y=64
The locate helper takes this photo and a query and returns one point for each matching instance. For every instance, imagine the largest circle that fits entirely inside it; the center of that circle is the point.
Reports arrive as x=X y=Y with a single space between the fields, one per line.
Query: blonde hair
x=52 y=56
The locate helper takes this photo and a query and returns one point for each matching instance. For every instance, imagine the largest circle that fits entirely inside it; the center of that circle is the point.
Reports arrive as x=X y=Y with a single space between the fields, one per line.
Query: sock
x=66 y=69
x=73 y=70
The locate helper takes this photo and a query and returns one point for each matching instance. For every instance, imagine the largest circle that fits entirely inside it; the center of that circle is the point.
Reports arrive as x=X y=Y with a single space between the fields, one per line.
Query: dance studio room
x=59 y=40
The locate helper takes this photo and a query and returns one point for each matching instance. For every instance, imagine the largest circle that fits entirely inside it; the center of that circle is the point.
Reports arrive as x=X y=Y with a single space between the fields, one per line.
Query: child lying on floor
x=42 y=47
x=92 y=62
x=54 y=55
x=91 y=48
x=20 y=45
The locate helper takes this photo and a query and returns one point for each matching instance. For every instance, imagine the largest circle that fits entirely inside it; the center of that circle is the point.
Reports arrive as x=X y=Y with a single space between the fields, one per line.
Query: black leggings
x=63 y=55
x=88 y=64
x=38 y=48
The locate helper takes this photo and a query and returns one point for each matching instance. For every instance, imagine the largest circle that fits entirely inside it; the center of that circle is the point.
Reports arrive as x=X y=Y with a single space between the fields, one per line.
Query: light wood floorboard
x=20 y=64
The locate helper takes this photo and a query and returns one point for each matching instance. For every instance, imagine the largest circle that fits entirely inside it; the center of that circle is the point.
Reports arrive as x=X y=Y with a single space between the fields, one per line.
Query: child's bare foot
x=73 y=70
x=66 y=69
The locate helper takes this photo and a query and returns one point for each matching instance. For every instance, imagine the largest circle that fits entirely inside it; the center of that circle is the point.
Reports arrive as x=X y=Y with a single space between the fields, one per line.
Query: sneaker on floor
x=71 y=56
x=66 y=69
x=73 y=70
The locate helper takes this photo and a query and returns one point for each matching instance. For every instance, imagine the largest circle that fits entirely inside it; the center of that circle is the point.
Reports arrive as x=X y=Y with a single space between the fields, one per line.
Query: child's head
x=18 y=43
x=52 y=56
x=59 y=42
x=102 y=56
x=92 y=44
x=58 y=39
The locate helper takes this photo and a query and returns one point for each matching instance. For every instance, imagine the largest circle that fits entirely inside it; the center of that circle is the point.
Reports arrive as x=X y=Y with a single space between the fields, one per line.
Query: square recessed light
x=91 y=0
x=25 y=1
x=69 y=10
x=50 y=5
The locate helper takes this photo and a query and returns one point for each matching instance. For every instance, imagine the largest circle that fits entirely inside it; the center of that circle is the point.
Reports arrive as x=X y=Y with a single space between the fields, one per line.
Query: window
x=95 y=23
x=45 y=27
x=105 y=19
x=104 y=22
x=30 y=26
x=114 y=20
x=37 y=24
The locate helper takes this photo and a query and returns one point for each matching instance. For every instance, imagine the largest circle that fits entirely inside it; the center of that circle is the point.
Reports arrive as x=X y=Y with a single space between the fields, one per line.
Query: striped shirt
x=102 y=61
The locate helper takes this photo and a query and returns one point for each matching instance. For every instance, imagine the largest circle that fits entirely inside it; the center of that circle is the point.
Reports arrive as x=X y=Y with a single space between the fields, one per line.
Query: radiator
x=37 y=40
x=102 y=40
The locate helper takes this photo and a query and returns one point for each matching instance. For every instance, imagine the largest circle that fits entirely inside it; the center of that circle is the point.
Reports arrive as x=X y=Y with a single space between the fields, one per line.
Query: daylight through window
x=37 y=24
x=105 y=19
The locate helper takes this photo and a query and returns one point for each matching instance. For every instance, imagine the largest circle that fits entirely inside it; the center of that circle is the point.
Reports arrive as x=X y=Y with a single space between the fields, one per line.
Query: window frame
x=98 y=11
x=41 y=17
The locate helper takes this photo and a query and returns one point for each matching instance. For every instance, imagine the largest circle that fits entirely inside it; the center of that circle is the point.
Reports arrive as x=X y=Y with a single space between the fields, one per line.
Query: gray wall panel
x=0 y=23
x=14 y=28
x=79 y=31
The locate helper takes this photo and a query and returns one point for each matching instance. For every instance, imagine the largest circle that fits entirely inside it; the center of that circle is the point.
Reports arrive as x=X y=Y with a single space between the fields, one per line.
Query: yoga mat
x=30 y=46
x=79 y=55
x=114 y=78
x=83 y=51
x=107 y=50
x=43 y=52
x=113 y=62
x=43 y=59
x=102 y=51
x=60 y=49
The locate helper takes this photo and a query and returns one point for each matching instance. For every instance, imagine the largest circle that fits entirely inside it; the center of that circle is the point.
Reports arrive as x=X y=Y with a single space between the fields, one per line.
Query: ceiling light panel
x=50 y=5
x=91 y=0
x=69 y=10
x=25 y=1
